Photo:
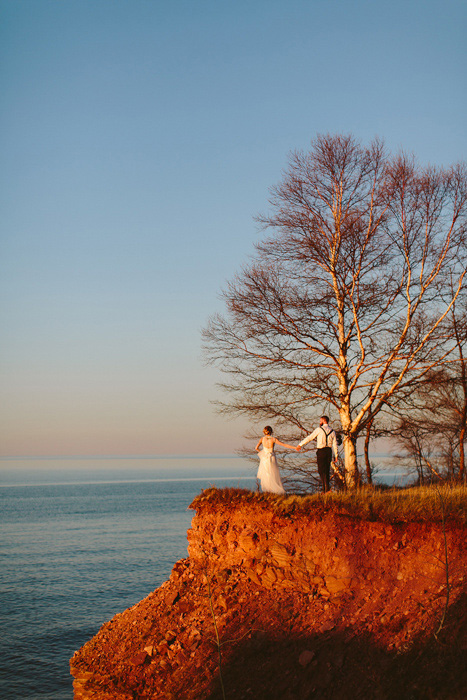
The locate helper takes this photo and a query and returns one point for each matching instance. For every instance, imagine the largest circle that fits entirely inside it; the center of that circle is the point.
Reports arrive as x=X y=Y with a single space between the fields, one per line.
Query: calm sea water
x=89 y=541
x=84 y=539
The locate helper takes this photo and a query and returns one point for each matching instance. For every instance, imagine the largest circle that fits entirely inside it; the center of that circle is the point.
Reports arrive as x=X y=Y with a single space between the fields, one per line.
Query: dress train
x=268 y=472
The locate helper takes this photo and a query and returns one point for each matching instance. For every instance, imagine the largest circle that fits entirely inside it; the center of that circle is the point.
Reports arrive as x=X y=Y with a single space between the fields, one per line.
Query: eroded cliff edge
x=306 y=603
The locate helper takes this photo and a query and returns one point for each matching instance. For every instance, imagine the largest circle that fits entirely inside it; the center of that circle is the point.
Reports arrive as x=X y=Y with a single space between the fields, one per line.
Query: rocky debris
x=140 y=659
x=305 y=657
x=172 y=597
x=301 y=607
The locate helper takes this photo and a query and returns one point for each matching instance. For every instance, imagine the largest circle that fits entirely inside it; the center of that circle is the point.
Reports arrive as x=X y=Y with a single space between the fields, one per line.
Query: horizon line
x=217 y=455
x=191 y=455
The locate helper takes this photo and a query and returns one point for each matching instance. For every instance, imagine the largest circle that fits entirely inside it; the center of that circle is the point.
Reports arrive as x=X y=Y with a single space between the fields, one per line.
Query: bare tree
x=458 y=397
x=343 y=304
x=420 y=449
x=431 y=425
x=369 y=431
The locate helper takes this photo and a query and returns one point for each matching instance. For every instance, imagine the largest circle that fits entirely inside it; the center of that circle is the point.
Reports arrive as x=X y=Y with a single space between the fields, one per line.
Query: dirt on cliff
x=292 y=607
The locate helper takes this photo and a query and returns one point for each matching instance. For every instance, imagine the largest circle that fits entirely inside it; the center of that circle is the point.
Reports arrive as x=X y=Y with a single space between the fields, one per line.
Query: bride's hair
x=268 y=430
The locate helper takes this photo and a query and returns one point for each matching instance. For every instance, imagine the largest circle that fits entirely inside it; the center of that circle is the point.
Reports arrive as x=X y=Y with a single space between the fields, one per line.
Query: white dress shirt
x=324 y=436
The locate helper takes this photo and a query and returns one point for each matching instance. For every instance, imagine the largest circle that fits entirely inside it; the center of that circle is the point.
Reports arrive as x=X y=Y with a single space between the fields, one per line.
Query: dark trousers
x=324 y=457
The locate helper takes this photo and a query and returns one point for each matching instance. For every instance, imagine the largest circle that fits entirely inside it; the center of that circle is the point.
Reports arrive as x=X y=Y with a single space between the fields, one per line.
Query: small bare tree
x=458 y=397
x=343 y=305
x=431 y=425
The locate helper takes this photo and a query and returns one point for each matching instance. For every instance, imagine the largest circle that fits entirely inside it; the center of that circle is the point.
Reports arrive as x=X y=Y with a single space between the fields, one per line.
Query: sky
x=138 y=140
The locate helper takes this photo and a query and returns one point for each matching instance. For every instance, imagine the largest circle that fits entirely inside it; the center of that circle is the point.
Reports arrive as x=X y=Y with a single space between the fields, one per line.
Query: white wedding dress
x=268 y=472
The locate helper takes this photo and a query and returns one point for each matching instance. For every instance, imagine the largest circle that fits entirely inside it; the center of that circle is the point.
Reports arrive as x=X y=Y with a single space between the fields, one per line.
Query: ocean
x=82 y=540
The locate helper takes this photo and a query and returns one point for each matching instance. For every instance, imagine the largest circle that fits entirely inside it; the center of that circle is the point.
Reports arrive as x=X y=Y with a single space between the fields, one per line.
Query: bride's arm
x=284 y=444
x=260 y=442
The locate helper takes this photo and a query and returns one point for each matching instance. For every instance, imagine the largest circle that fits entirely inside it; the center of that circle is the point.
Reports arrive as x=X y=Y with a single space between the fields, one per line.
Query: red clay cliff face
x=305 y=606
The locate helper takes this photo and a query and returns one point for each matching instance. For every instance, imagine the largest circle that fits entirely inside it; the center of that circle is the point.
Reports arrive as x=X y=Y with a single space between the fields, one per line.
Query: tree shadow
x=345 y=666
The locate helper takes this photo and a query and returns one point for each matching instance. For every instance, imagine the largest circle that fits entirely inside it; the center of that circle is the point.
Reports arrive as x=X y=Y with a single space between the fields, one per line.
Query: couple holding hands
x=268 y=472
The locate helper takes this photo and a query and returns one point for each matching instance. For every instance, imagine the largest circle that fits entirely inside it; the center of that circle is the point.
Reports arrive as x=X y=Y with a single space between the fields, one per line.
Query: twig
x=446 y=566
x=218 y=642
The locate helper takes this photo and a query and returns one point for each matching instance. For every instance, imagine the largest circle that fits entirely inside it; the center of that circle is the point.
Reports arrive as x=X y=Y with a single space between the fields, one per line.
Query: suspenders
x=327 y=434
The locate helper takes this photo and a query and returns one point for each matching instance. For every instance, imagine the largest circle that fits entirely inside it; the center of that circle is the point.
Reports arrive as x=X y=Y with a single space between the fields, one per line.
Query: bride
x=268 y=472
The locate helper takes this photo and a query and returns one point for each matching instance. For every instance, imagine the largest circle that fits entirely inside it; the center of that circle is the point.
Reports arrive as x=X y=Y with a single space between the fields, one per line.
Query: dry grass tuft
x=415 y=504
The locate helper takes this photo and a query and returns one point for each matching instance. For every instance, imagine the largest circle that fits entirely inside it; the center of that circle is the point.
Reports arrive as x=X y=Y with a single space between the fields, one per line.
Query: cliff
x=281 y=601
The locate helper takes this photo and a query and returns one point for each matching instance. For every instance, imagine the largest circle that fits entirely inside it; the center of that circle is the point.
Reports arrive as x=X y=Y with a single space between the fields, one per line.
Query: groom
x=325 y=440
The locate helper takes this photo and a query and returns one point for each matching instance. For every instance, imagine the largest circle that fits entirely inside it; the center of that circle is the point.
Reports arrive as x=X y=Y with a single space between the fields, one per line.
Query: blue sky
x=138 y=141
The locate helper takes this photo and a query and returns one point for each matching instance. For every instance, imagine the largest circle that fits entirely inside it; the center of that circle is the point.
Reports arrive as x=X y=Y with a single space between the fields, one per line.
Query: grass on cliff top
x=416 y=504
